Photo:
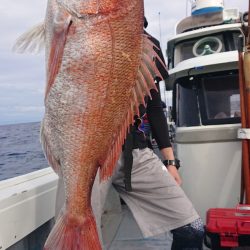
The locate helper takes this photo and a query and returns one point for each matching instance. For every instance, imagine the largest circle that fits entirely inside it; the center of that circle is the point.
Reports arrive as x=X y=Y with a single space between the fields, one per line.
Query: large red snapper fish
x=99 y=68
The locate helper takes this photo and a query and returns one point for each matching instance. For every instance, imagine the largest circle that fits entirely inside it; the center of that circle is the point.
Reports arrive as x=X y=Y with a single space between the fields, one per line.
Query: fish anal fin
x=60 y=31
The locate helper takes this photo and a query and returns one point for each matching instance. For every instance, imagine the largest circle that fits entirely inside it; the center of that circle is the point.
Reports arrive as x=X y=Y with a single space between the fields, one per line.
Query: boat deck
x=33 y=196
x=128 y=236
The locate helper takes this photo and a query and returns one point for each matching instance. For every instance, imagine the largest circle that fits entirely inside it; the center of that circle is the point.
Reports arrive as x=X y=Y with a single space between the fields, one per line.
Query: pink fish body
x=99 y=68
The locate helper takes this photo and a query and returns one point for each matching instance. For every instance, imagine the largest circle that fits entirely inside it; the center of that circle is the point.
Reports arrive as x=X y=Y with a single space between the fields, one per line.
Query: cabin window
x=187 y=113
x=207 y=99
x=205 y=45
x=183 y=51
x=220 y=99
x=235 y=42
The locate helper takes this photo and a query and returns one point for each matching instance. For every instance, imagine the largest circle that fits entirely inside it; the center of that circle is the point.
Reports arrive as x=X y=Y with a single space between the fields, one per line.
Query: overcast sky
x=22 y=76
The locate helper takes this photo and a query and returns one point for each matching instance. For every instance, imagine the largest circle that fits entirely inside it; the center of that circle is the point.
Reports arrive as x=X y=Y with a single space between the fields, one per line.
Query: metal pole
x=246 y=94
x=160 y=25
x=246 y=143
x=245 y=190
x=248 y=37
x=186 y=8
x=243 y=113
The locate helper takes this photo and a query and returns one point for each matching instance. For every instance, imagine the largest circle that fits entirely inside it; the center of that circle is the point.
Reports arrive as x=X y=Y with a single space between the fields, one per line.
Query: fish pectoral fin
x=32 y=41
x=145 y=81
x=62 y=22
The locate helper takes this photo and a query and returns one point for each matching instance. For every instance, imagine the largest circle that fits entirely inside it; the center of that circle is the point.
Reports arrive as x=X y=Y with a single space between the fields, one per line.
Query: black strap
x=133 y=140
x=128 y=159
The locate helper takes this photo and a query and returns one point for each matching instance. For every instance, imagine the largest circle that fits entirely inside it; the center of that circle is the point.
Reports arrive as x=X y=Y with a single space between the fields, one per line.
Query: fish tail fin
x=73 y=233
x=32 y=41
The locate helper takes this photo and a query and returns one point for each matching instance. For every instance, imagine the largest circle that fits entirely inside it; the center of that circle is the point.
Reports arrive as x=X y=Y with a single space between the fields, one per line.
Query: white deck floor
x=129 y=237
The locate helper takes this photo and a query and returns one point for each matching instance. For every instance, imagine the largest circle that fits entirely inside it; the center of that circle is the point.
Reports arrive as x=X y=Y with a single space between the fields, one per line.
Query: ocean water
x=20 y=150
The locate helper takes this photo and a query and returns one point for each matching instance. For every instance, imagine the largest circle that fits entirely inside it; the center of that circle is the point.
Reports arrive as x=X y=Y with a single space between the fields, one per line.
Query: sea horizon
x=18 y=122
x=20 y=149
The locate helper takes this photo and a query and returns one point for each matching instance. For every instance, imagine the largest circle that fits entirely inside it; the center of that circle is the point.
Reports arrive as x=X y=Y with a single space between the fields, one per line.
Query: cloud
x=20 y=114
x=29 y=109
x=22 y=77
x=18 y=16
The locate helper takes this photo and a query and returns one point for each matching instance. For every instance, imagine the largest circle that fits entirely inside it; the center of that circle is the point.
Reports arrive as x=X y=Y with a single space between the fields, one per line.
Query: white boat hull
x=211 y=165
x=26 y=203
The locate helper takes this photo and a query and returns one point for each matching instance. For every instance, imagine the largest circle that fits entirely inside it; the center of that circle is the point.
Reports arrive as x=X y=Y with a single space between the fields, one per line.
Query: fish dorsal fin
x=143 y=84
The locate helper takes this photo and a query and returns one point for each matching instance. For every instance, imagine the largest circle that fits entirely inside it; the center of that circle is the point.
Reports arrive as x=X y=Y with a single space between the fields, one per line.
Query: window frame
x=202 y=110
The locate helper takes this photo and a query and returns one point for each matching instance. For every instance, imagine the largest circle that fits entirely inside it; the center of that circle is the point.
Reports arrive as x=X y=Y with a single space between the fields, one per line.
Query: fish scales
x=91 y=76
x=91 y=90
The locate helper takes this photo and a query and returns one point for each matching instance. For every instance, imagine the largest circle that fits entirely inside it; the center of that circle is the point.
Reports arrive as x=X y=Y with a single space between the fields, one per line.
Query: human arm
x=168 y=154
x=159 y=129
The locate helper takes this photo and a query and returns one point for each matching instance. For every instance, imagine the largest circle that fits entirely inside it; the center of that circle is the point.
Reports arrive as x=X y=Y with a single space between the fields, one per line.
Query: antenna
x=159 y=13
x=190 y=2
x=186 y=8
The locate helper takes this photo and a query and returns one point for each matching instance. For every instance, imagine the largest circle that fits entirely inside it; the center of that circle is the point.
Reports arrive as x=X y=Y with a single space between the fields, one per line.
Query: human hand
x=174 y=172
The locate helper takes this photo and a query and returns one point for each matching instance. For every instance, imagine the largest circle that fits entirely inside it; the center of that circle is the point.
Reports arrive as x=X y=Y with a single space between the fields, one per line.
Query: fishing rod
x=244 y=85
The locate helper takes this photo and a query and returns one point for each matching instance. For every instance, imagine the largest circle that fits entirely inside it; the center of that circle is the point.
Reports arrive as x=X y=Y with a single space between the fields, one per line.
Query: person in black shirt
x=150 y=187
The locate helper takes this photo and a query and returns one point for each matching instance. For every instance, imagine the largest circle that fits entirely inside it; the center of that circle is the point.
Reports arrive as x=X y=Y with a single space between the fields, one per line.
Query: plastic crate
x=228 y=227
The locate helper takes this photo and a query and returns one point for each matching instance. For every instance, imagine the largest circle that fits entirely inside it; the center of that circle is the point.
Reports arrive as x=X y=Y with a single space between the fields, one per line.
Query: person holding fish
x=151 y=188
x=99 y=68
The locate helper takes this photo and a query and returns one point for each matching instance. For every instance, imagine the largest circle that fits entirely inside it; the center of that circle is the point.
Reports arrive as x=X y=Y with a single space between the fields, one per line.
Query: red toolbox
x=228 y=227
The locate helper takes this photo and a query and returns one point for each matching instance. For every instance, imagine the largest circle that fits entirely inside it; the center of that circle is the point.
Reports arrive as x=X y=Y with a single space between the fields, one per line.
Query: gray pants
x=157 y=202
